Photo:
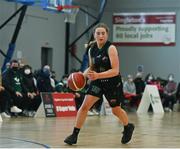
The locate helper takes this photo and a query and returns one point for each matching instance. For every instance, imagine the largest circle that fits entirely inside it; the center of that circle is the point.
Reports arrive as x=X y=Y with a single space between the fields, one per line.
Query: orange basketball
x=76 y=81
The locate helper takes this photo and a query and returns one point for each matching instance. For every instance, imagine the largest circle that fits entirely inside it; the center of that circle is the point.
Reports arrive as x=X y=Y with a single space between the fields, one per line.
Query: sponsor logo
x=65 y=108
x=63 y=99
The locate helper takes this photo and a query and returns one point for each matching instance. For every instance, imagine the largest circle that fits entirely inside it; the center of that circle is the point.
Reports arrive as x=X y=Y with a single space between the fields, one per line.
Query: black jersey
x=110 y=87
x=101 y=61
x=100 y=57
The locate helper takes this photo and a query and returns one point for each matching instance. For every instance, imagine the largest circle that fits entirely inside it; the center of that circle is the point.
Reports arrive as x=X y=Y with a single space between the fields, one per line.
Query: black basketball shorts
x=111 y=88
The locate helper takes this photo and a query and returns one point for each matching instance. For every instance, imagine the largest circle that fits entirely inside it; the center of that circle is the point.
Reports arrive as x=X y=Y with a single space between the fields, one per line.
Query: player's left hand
x=92 y=75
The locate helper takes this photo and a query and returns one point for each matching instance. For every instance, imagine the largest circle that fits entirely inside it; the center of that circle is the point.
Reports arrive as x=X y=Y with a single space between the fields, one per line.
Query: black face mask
x=46 y=73
x=53 y=76
x=14 y=68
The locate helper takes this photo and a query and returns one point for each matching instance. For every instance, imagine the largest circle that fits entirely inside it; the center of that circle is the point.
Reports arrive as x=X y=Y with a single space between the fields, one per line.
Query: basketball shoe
x=127 y=133
x=72 y=139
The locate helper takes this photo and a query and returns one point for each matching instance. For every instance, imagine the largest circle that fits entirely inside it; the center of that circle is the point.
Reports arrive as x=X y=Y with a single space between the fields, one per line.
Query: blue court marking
x=33 y=142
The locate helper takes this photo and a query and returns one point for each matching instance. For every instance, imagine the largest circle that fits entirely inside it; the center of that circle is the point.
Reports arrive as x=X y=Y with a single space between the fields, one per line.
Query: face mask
x=46 y=72
x=130 y=80
x=65 y=81
x=27 y=71
x=170 y=79
x=150 y=78
x=14 y=68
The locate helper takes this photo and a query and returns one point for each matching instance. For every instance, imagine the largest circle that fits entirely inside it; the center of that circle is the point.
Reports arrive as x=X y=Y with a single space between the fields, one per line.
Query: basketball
x=76 y=81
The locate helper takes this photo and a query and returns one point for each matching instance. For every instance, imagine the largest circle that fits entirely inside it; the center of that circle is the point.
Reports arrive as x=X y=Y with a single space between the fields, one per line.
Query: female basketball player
x=104 y=73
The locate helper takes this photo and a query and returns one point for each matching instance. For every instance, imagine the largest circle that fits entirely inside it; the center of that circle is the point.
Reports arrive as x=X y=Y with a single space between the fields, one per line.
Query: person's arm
x=114 y=71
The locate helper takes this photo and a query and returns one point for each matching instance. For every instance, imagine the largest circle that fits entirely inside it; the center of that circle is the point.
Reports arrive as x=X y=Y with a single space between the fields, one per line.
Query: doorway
x=46 y=56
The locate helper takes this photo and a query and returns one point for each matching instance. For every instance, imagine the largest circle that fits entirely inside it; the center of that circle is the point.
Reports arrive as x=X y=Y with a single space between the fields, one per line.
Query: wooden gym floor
x=152 y=131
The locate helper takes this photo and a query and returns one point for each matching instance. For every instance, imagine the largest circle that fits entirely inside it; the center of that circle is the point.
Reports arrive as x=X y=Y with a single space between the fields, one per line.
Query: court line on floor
x=33 y=142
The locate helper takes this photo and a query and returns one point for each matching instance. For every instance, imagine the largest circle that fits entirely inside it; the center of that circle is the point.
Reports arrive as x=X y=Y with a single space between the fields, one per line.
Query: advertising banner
x=64 y=104
x=57 y=105
x=144 y=29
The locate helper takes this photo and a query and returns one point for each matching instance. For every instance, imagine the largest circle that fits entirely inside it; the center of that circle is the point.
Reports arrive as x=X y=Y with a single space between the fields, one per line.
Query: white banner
x=144 y=29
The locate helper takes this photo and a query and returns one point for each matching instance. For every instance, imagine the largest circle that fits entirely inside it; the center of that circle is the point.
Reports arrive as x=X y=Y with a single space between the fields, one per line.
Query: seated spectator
x=31 y=84
x=151 y=80
x=140 y=86
x=169 y=94
x=12 y=82
x=129 y=90
x=129 y=87
x=44 y=81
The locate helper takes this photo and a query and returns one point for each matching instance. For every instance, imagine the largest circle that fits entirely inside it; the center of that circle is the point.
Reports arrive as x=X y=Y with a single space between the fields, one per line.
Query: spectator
x=129 y=89
x=30 y=83
x=169 y=93
x=44 y=81
x=129 y=86
x=150 y=79
x=140 y=84
x=12 y=81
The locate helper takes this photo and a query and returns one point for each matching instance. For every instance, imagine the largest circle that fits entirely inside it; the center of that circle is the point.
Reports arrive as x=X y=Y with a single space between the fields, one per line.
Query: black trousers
x=24 y=102
x=169 y=101
x=5 y=101
x=33 y=104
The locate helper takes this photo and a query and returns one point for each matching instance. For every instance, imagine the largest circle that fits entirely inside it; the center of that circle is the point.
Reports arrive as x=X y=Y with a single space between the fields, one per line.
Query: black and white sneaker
x=72 y=139
x=127 y=133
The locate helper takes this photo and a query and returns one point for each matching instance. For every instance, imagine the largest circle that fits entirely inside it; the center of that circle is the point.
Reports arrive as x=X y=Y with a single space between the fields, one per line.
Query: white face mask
x=170 y=79
x=27 y=71
x=130 y=80
x=65 y=81
x=150 y=78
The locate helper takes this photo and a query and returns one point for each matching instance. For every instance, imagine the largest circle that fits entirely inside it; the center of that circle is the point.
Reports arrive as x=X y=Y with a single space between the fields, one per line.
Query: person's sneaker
x=167 y=109
x=31 y=113
x=95 y=112
x=5 y=115
x=72 y=139
x=25 y=113
x=127 y=133
x=90 y=113
x=15 y=109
